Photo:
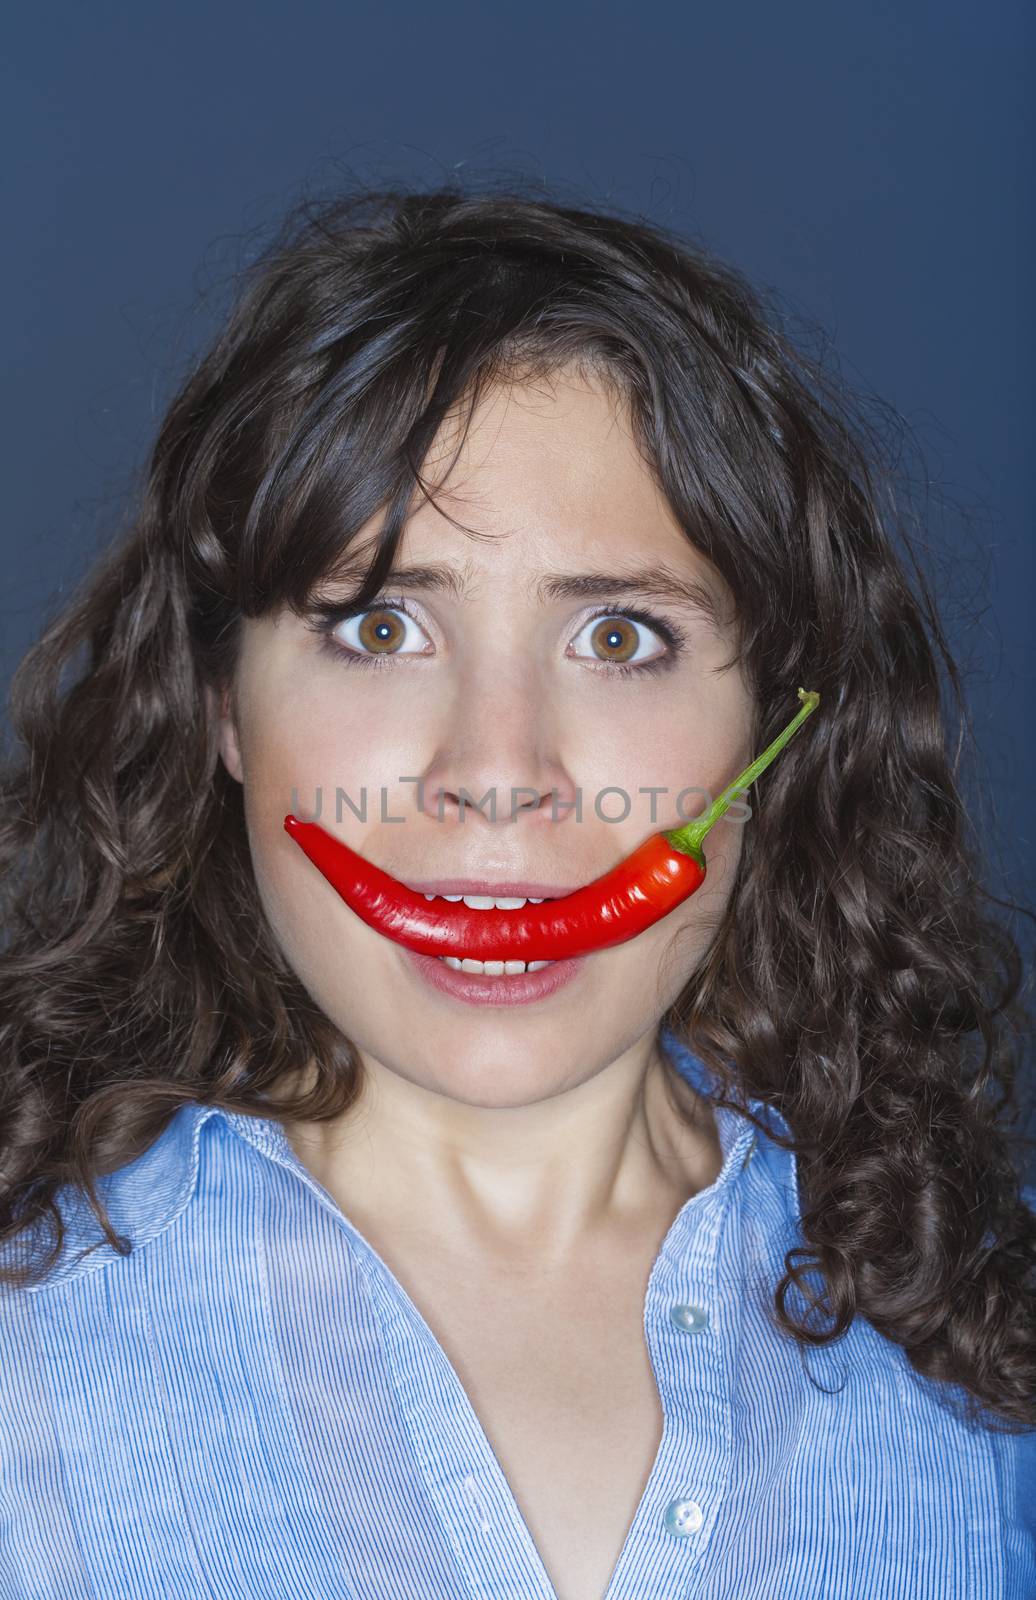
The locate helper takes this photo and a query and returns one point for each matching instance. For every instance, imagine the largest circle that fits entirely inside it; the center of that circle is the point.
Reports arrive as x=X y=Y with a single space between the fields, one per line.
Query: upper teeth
x=485 y=902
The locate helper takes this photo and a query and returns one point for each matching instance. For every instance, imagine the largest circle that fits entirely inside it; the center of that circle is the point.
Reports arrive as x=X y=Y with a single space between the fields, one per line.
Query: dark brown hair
x=857 y=982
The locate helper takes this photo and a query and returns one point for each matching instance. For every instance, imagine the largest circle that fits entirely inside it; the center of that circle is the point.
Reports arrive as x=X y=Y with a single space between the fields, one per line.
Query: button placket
x=695 y=1376
x=684 y=1517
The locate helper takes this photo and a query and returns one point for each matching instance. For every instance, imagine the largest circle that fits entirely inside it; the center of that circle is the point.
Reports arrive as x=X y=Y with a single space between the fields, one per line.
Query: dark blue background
x=872 y=164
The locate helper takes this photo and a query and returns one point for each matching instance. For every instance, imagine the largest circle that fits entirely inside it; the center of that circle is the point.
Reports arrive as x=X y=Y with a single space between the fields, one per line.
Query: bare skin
x=516 y=1167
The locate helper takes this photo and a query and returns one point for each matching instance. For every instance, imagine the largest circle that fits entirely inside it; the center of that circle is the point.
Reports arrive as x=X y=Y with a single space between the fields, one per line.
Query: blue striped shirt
x=251 y=1406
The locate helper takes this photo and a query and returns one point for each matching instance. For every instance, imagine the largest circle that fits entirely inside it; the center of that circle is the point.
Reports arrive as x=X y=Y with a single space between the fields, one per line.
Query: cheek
x=318 y=755
x=662 y=770
x=616 y=756
x=322 y=762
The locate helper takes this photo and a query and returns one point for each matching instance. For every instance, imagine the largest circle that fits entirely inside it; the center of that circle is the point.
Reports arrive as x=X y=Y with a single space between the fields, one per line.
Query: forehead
x=549 y=474
x=538 y=458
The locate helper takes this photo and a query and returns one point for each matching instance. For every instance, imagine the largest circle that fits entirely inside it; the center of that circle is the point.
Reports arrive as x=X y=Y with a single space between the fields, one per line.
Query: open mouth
x=511 y=968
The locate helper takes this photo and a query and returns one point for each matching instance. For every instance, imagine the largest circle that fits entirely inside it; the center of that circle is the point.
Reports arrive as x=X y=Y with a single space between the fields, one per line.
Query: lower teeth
x=494 y=969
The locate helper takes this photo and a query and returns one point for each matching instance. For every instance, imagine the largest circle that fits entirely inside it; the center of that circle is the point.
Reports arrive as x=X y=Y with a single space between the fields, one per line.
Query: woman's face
x=493 y=689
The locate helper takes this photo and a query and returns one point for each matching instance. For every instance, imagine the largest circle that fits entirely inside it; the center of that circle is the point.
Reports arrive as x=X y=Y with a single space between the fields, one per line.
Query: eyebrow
x=658 y=582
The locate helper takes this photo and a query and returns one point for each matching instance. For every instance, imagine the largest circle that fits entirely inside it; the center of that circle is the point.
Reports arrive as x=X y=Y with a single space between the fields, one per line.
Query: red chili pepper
x=659 y=874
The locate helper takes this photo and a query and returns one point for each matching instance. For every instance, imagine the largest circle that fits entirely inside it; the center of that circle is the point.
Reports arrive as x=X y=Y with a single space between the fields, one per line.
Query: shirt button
x=690 y=1319
x=683 y=1517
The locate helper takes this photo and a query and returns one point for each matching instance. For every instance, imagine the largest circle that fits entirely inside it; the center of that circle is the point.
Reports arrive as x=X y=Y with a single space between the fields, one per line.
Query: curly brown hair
x=857 y=982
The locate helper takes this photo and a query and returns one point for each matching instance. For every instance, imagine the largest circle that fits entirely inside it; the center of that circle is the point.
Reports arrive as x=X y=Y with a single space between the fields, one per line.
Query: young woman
x=678 y=1247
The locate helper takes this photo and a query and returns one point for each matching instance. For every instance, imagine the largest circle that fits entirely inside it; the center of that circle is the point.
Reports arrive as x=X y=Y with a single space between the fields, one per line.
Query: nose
x=499 y=758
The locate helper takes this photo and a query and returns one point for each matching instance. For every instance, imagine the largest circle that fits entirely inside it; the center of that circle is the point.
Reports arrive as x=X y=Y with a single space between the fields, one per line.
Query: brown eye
x=616 y=639
x=383 y=630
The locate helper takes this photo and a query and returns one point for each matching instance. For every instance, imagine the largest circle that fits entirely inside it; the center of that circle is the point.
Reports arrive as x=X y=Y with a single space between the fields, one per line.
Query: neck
x=518 y=1183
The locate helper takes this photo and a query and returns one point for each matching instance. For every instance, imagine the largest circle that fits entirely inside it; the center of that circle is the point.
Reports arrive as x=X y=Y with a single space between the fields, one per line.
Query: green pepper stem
x=689 y=837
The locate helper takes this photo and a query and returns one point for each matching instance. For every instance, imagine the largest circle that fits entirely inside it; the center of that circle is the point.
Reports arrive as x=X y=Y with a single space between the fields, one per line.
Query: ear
x=221 y=715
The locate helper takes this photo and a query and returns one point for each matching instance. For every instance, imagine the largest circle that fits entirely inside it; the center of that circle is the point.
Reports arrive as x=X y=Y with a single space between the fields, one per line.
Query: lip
x=475 y=989
x=498 y=890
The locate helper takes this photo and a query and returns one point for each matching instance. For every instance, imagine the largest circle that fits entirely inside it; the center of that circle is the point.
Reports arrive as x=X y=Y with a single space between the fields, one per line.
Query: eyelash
x=325 y=624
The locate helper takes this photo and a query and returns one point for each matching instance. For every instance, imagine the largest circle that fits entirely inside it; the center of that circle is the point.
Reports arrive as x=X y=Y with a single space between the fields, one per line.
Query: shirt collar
x=145 y=1196
x=734 y=1129
x=142 y=1199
